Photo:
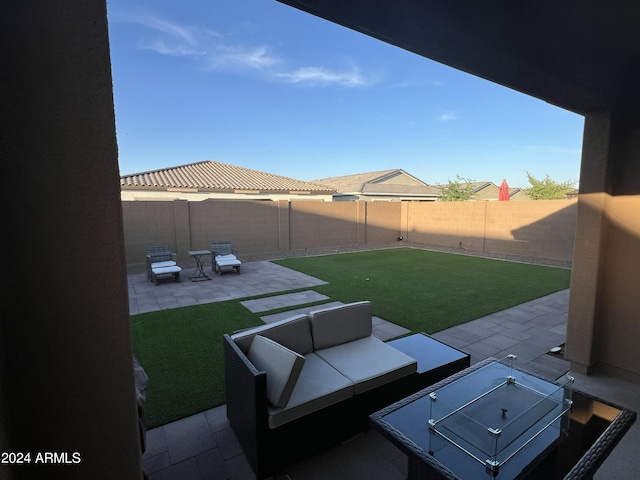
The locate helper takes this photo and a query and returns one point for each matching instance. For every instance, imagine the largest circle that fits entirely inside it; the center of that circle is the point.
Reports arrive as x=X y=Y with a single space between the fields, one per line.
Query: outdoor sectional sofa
x=297 y=386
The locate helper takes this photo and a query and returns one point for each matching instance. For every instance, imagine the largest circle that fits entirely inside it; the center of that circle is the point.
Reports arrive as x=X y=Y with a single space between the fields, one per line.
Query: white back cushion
x=342 y=324
x=283 y=367
x=293 y=333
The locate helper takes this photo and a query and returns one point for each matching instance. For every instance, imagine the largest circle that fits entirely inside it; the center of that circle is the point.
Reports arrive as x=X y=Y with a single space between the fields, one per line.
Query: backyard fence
x=542 y=229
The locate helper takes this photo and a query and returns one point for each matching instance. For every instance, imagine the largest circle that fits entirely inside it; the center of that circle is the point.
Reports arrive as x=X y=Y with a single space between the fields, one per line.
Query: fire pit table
x=493 y=420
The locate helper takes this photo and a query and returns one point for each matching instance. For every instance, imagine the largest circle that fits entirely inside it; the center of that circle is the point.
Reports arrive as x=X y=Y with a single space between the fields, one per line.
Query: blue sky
x=261 y=85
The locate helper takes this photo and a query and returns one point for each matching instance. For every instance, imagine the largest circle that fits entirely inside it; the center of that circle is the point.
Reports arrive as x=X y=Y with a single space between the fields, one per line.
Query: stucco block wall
x=317 y=225
x=544 y=229
x=146 y=224
x=251 y=227
x=383 y=221
x=448 y=224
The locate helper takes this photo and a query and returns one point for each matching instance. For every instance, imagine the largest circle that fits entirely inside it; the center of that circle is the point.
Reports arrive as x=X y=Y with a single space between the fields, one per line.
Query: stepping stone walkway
x=282 y=301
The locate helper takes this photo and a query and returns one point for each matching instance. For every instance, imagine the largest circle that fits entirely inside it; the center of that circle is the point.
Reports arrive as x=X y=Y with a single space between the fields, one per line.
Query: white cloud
x=447 y=117
x=238 y=58
x=215 y=52
x=319 y=76
x=172 y=29
x=176 y=50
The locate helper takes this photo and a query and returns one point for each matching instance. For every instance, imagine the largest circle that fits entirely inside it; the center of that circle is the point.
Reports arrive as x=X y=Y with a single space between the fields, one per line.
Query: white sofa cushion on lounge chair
x=229 y=259
x=168 y=263
x=283 y=367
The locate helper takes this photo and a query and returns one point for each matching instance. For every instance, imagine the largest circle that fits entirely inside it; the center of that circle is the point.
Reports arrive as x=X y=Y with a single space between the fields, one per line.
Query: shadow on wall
x=543 y=229
x=552 y=236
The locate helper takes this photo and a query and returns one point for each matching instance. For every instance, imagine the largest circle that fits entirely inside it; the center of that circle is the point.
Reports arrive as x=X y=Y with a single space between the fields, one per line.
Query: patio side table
x=199 y=274
x=436 y=360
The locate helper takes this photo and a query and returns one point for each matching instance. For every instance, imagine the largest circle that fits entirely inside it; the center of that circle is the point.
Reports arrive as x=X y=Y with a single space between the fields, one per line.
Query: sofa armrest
x=246 y=397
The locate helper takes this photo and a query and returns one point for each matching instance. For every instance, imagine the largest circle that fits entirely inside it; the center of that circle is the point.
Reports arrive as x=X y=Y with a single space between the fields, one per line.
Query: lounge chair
x=161 y=262
x=224 y=256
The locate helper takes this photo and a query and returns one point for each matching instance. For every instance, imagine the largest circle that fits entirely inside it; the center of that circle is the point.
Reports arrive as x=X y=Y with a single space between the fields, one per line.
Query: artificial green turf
x=181 y=352
x=429 y=291
x=181 y=348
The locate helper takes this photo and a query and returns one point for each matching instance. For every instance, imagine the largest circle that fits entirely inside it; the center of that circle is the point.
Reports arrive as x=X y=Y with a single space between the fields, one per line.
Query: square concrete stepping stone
x=283 y=301
x=298 y=311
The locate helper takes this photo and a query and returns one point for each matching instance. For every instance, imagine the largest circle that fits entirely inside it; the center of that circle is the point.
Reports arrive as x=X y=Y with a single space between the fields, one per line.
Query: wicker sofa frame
x=268 y=450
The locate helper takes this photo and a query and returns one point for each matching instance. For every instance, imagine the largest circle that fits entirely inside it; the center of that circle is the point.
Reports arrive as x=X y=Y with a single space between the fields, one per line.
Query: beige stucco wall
x=540 y=229
x=316 y=225
x=249 y=226
x=450 y=224
x=383 y=221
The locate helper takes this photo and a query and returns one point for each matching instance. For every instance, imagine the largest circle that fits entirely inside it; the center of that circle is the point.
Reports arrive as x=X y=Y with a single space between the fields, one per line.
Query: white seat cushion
x=283 y=367
x=167 y=269
x=228 y=263
x=319 y=386
x=226 y=258
x=168 y=263
x=368 y=362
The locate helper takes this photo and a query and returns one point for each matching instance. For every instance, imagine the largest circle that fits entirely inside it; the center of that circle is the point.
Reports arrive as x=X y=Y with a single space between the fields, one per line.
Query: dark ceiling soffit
x=545 y=49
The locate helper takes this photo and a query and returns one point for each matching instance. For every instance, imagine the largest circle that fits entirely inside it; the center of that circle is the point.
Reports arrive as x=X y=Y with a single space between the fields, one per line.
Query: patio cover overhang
x=579 y=55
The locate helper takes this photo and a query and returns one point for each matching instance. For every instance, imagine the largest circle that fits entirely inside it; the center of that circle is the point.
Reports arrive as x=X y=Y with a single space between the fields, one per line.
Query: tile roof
x=374 y=182
x=211 y=175
x=391 y=189
x=352 y=183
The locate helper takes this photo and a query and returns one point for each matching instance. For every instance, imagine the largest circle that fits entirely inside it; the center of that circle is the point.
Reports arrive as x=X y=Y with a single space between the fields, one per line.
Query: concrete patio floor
x=203 y=446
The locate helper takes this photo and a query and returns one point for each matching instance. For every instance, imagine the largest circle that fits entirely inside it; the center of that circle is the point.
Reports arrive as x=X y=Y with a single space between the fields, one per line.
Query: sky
x=261 y=85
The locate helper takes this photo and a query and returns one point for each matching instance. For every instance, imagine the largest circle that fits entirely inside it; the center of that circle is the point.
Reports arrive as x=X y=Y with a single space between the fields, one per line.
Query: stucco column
x=182 y=222
x=361 y=222
x=284 y=222
x=603 y=322
x=590 y=244
x=67 y=393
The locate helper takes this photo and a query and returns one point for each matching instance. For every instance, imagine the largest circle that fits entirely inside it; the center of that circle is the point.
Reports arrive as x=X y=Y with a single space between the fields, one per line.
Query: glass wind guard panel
x=496 y=411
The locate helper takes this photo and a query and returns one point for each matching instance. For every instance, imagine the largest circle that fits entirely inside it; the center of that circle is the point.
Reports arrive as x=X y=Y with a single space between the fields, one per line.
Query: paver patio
x=203 y=446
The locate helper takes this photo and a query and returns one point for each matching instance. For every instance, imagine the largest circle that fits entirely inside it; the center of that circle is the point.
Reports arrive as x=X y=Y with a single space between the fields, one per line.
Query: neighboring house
x=387 y=185
x=216 y=180
x=490 y=191
x=573 y=194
